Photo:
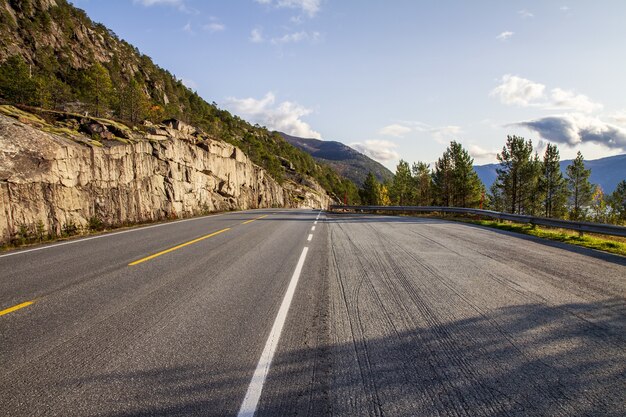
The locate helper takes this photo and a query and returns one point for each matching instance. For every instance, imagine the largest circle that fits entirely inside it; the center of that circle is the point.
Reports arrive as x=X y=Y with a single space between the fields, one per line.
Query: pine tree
x=97 y=88
x=401 y=192
x=515 y=168
x=133 y=102
x=552 y=184
x=422 y=181
x=466 y=186
x=16 y=81
x=617 y=202
x=581 y=190
x=442 y=180
x=455 y=183
x=370 y=193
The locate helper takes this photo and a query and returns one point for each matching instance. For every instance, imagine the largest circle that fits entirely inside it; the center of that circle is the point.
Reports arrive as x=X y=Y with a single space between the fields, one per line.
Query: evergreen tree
x=455 y=182
x=16 y=81
x=133 y=102
x=617 y=202
x=97 y=88
x=370 y=193
x=514 y=172
x=422 y=181
x=401 y=192
x=466 y=186
x=442 y=180
x=552 y=184
x=580 y=188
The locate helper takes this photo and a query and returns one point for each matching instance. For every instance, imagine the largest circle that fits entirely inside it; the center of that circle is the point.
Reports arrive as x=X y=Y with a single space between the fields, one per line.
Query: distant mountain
x=346 y=161
x=607 y=172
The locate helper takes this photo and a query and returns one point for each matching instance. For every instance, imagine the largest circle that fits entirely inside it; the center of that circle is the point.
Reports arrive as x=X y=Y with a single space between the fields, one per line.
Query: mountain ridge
x=346 y=160
x=606 y=172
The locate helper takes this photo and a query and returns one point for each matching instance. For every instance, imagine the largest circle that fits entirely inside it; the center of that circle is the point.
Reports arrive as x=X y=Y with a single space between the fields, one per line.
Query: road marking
x=312 y=228
x=182 y=245
x=315 y=222
x=17 y=307
x=250 y=221
x=137 y=229
x=310 y=237
x=251 y=400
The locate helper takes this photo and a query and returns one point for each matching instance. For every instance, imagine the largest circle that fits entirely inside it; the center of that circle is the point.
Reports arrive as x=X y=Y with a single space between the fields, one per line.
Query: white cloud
x=575 y=129
x=525 y=14
x=285 y=117
x=395 y=129
x=256 y=35
x=518 y=90
x=514 y=90
x=566 y=99
x=380 y=150
x=564 y=8
x=296 y=37
x=619 y=117
x=477 y=152
x=445 y=134
x=214 y=27
x=309 y=7
x=504 y=36
x=187 y=28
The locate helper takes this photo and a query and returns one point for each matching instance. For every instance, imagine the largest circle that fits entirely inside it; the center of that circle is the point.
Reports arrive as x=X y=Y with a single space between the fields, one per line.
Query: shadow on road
x=524 y=360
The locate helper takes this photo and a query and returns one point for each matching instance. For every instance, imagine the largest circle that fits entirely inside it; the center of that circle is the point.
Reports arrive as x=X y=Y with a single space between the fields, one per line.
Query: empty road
x=297 y=312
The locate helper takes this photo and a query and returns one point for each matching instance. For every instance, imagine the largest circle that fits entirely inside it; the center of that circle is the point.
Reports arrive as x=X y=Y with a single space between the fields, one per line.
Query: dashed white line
x=251 y=400
x=312 y=228
x=310 y=237
x=315 y=222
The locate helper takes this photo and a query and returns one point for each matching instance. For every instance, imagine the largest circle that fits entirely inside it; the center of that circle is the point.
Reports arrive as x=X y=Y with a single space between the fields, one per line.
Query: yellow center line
x=250 y=221
x=182 y=245
x=17 y=307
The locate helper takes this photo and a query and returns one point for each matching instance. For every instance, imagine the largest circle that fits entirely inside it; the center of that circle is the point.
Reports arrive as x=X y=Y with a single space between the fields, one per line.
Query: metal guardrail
x=600 y=228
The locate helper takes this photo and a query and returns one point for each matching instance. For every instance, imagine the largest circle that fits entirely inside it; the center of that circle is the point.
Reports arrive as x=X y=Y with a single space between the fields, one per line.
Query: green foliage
x=581 y=190
x=130 y=87
x=370 y=193
x=517 y=176
x=455 y=183
x=70 y=228
x=401 y=190
x=552 y=184
x=423 y=184
x=95 y=224
x=617 y=203
x=606 y=244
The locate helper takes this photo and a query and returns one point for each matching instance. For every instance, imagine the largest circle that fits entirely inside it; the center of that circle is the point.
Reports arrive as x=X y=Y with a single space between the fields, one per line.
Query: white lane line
x=312 y=228
x=251 y=400
x=315 y=222
x=137 y=229
x=310 y=237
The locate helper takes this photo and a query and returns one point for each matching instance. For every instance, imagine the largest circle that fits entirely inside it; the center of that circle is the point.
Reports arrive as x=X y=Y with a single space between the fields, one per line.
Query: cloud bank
x=285 y=116
x=514 y=90
x=575 y=129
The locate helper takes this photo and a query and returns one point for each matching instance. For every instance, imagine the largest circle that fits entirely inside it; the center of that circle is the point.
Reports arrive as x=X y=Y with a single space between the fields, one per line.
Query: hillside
x=346 y=161
x=607 y=172
x=54 y=57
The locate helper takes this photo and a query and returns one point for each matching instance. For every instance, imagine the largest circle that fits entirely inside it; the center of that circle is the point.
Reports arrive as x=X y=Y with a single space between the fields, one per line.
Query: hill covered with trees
x=54 y=57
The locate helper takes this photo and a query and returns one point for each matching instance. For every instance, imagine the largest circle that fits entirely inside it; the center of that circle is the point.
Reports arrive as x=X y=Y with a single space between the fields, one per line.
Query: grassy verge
x=610 y=244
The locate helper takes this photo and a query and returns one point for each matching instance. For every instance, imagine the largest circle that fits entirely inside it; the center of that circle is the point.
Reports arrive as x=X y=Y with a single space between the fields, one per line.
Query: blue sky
x=398 y=79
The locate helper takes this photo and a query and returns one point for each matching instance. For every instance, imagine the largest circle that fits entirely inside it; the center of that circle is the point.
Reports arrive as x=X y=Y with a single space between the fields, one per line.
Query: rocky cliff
x=52 y=177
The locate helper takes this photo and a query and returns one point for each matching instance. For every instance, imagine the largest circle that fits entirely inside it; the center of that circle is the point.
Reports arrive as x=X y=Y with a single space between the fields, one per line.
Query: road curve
x=388 y=316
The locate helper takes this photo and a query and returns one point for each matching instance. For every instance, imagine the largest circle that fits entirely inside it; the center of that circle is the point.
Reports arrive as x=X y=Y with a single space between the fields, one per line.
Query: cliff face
x=53 y=180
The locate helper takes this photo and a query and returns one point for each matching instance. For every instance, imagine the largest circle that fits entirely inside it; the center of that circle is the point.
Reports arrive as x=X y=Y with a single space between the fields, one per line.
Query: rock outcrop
x=51 y=180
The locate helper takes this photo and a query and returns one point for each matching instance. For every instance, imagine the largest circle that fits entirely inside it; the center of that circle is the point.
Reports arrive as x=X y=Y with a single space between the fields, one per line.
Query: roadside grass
x=612 y=244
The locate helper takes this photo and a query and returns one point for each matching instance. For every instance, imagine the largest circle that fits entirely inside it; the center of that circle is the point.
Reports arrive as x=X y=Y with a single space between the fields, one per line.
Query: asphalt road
x=273 y=312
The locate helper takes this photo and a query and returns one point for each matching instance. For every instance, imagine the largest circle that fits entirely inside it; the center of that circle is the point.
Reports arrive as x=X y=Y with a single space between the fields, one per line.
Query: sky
x=398 y=78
